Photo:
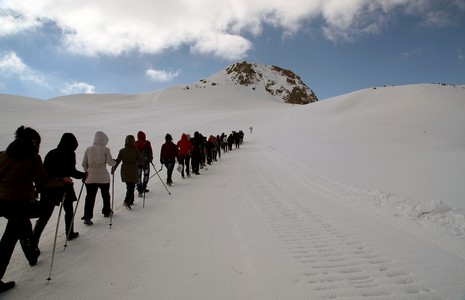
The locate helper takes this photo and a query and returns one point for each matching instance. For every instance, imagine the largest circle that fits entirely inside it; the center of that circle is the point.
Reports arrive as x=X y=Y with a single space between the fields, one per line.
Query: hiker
x=196 y=152
x=131 y=158
x=168 y=155
x=20 y=169
x=224 y=140
x=208 y=150
x=237 y=139
x=184 y=154
x=145 y=148
x=251 y=128
x=95 y=161
x=59 y=162
x=230 y=141
x=220 y=145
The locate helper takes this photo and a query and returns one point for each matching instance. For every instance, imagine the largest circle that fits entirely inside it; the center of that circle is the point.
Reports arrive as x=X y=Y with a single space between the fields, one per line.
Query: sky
x=52 y=48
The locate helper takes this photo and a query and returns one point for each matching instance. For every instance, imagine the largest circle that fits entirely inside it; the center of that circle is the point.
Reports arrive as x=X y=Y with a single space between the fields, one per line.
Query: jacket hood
x=141 y=136
x=130 y=141
x=184 y=137
x=100 y=138
x=68 y=142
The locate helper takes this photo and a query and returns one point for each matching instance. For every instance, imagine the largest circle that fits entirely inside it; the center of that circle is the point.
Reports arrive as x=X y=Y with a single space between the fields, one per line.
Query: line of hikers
x=23 y=177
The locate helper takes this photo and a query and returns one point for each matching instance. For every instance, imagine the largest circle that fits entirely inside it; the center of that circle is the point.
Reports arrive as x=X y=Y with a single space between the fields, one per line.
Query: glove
x=161 y=161
x=85 y=177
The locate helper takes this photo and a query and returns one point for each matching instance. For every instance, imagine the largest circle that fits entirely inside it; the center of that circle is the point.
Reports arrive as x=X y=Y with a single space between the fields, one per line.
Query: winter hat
x=168 y=137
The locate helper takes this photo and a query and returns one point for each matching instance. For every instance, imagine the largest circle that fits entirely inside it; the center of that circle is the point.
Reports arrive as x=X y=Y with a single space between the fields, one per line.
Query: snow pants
x=92 y=189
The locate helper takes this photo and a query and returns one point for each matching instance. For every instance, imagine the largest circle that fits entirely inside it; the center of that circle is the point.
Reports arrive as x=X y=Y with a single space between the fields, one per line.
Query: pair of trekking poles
x=75 y=210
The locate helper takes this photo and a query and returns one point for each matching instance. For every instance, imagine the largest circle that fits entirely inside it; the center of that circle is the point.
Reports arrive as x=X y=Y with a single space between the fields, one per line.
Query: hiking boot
x=127 y=205
x=139 y=195
x=108 y=214
x=88 y=222
x=33 y=256
x=5 y=286
x=73 y=235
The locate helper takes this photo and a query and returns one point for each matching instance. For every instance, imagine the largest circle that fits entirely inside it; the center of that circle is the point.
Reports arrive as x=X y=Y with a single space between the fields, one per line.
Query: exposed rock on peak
x=275 y=80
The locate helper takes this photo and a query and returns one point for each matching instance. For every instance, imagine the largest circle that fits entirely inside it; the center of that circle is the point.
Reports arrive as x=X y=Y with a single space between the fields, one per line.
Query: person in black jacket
x=59 y=163
x=196 y=152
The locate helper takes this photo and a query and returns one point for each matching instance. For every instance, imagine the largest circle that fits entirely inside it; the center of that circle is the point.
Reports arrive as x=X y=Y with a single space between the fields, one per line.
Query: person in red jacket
x=145 y=148
x=184 y=154
x=168 y=155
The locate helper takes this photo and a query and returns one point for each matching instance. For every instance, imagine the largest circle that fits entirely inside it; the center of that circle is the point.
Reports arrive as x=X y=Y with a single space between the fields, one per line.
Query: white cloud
x=78 y=88
x=14 y=22
x=12 y=66
x=211 y=27
x=222 y=45
x=157 y=75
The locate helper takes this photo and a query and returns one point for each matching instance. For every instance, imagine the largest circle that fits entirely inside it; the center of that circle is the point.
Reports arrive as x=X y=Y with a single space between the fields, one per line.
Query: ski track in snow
x=333 y=263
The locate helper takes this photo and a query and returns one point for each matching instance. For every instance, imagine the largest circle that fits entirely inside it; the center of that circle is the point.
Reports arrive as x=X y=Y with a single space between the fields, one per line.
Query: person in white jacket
x=95 y=161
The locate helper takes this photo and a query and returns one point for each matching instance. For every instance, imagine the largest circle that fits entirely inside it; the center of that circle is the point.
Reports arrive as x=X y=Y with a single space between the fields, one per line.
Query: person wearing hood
x=59 y=162
x=21 y=171
x=131 y=158
x=95 y=161
x=168 y=155
x=184 y=154
x=145 y=148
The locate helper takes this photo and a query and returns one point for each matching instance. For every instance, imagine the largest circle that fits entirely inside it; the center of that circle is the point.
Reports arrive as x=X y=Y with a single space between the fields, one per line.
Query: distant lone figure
x=251 y=128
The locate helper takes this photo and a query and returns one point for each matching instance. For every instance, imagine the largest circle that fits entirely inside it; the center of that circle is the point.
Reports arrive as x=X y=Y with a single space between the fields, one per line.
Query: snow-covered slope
x=358 y=196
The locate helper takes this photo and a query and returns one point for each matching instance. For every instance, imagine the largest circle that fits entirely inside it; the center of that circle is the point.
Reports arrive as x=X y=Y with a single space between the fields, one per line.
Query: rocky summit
x=280 y=83
x=275 y=80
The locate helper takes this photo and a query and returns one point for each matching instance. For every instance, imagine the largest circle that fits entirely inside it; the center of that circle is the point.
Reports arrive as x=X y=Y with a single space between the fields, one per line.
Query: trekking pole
x=72 y=220
x=160 y=177
x=143 y=203
x=55 y=240
x=112 y=197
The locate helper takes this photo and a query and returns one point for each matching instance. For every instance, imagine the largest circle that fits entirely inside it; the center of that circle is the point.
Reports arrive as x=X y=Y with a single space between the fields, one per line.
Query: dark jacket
x=130 y=157
x=61 y=162
x=168 y=151
x=21 y=169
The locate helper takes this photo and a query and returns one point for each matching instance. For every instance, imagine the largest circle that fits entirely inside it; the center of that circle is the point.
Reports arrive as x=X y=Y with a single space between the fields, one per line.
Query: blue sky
x=53 y=48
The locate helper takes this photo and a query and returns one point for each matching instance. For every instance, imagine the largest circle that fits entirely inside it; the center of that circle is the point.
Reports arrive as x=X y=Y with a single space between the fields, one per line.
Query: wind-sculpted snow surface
x=308 y=208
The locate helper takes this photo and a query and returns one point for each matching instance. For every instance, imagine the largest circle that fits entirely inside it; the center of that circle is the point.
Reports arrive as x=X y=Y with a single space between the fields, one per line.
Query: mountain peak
x=277 y=81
